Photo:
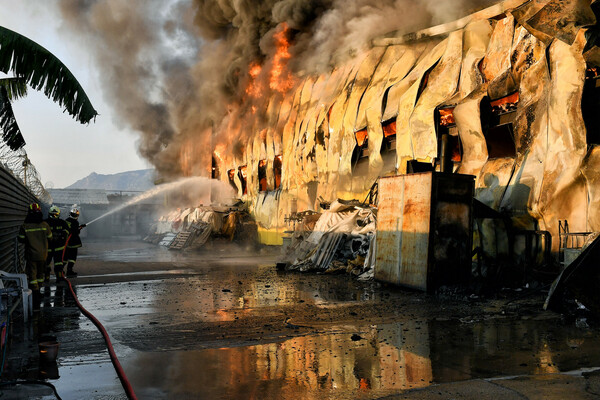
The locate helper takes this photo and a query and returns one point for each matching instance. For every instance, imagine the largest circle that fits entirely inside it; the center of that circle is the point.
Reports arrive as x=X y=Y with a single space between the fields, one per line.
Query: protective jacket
x=74 y=240
x=60 y=232
x=36 y=234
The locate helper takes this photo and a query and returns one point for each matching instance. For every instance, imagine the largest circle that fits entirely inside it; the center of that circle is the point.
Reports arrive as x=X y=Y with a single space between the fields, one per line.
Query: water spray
x=205 y=184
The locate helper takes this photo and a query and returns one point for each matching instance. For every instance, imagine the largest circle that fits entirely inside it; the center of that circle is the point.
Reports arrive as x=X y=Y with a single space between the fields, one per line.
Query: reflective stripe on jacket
x=35 y=236
x=60 y=232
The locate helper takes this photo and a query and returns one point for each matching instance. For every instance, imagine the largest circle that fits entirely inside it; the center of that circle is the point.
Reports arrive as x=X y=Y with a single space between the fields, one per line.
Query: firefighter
x=73 y=241
x=60 y=232
x=35 y=233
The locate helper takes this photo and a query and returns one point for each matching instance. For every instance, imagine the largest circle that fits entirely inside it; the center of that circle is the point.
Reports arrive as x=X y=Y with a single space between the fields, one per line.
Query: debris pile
x=578 y=282
x=341 y=239
x=192 y=228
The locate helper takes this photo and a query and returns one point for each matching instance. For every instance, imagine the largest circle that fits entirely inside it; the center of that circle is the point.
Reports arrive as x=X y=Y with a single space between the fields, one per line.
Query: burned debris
x=192 y=228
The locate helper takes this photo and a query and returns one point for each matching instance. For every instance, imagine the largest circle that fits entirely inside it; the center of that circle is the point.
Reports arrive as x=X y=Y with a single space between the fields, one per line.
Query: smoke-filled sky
x=175 y=71
x=62 y=149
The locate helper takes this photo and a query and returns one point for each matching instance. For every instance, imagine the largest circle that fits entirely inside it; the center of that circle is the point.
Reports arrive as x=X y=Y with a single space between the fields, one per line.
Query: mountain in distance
x=140 y=180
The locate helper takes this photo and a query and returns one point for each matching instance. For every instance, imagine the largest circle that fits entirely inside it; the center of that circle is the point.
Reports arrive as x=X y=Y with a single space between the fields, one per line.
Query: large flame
x=253 y=89
x=273 y=73
x=281 y=79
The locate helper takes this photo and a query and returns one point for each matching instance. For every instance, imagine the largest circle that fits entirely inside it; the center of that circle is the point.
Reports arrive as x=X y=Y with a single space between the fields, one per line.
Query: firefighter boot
x=70 y=272
x=60 y=275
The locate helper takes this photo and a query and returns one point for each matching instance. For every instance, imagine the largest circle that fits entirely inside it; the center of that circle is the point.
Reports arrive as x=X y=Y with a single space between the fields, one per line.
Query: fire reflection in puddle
x=368 y=361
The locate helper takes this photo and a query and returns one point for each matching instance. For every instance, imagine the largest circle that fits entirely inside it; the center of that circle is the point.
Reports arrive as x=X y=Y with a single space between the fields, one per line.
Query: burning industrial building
x=476 y=118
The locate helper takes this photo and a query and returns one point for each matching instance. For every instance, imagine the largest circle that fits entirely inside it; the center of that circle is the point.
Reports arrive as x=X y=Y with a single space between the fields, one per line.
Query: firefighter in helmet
x=60 y=232
x=73 y=241
x=35 y=234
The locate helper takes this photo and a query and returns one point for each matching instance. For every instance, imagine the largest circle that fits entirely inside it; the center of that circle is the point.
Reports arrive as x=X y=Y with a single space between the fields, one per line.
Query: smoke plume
x=190 y=75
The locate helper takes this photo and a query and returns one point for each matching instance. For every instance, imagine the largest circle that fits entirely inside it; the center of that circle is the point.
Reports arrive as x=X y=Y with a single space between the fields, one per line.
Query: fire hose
x=111 y=351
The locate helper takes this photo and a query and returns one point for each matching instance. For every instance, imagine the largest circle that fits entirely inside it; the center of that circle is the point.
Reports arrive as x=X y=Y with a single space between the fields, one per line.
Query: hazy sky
x=62 y=149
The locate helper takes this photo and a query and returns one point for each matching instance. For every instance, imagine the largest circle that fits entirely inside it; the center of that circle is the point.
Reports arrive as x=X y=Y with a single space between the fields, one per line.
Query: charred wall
x=533 y=161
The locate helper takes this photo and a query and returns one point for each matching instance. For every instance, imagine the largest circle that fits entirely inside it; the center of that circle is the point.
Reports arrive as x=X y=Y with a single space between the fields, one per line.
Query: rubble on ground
x=577 y=284
x=341 y=239
x=192 y=228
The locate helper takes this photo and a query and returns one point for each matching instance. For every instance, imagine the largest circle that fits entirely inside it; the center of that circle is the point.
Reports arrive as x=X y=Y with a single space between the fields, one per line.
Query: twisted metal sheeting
x=17 y=162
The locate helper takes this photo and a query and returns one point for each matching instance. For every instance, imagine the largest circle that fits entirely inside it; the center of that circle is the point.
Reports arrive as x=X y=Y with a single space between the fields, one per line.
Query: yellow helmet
x=54 y=212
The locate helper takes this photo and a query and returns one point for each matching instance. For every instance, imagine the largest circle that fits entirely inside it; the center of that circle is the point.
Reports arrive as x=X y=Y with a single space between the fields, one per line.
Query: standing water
x=196 y=187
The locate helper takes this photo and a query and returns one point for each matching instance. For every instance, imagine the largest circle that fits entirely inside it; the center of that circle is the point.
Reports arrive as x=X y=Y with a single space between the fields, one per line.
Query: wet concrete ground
x=225 y=323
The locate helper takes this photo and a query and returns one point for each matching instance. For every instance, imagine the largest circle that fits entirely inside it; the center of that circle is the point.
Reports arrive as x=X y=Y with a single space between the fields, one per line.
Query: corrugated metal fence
x=14 y=199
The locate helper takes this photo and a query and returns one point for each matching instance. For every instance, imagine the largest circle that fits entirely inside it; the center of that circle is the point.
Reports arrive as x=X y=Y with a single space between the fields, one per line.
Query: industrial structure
x=506 y=95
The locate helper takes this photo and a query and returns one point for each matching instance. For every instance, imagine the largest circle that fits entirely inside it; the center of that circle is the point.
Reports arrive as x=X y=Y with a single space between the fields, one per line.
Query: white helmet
x=54 y=212
x=74 y=212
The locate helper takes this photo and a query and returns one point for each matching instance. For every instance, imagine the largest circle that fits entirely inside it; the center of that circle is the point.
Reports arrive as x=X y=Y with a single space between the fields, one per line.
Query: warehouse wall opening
x=497 y=119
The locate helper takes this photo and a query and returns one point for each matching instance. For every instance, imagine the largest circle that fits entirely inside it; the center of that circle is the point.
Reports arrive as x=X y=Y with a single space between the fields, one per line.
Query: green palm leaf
x=43 y=71
x=10 y=90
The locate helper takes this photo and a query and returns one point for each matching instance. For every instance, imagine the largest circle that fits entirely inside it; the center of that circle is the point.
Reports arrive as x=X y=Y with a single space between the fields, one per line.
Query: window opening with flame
x=262 y=175
x=497 y=119
x=231 y=176
x=242 y=176
x=215 y=173
x=446 y=125
x=388 y=146
x=277 y=166
x=360 y=154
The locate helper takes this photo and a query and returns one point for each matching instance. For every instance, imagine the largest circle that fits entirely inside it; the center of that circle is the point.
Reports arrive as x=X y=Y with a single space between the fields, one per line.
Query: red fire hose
x=113 y=357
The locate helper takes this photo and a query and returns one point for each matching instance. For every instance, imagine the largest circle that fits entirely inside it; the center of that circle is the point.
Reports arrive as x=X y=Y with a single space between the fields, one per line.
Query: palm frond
x=43 y=71
x=16 y=88
x=11 y=133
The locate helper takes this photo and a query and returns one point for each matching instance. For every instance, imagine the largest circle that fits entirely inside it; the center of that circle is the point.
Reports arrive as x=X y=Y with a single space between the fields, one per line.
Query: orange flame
x=243 y=171
x=389 y=128
x=281 y=80
x=361 y=136
x=510 y=99
x=447 y=116
x=253 y=88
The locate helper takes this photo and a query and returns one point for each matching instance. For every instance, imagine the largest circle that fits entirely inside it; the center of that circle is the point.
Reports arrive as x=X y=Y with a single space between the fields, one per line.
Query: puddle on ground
x=337 y=360
x=233 y=298
x=370 y=361
x=340 y=361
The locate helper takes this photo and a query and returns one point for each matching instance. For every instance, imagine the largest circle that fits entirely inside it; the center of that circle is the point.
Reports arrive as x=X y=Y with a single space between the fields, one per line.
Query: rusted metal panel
x=451 y=230
x=424 y=229
x=389 y=220
x=403 y=230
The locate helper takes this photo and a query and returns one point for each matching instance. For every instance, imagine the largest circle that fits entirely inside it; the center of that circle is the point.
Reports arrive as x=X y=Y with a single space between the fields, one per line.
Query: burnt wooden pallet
x=181 y=240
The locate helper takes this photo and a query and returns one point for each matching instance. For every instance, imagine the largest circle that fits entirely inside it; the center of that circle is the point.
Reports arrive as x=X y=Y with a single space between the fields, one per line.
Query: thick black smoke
x=175 y=70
